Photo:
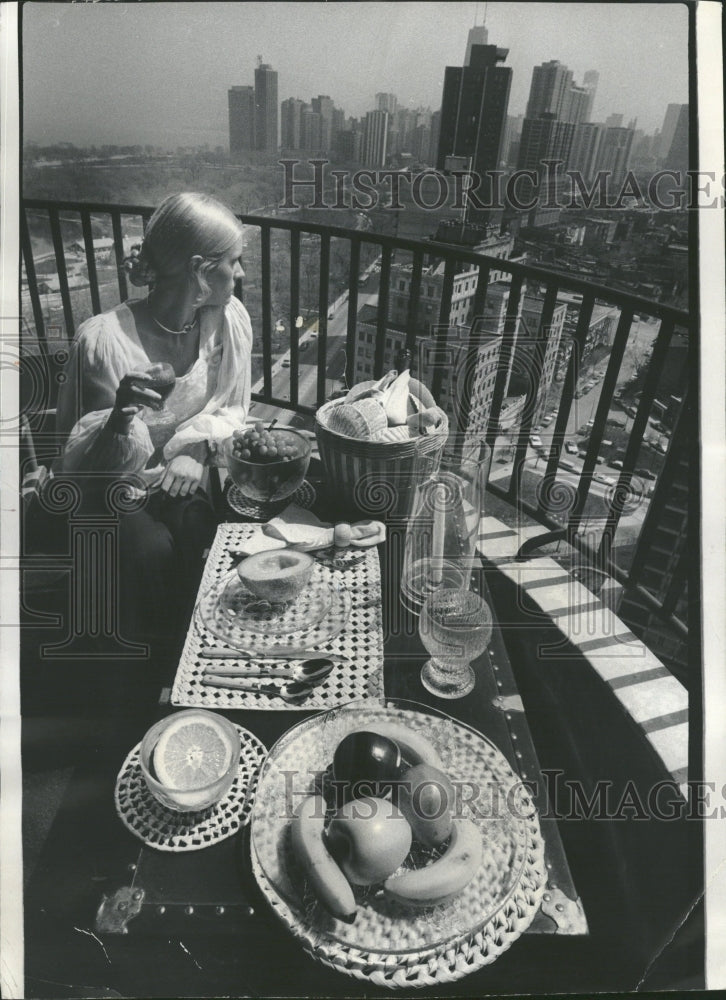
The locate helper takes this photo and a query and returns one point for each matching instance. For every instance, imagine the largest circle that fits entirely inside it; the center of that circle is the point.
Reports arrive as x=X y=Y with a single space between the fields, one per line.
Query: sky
x=158 y=73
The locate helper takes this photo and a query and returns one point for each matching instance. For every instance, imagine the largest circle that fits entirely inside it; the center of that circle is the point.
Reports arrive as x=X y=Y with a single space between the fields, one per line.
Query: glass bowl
x=488 y=792
x=189 y=800
x=269 y=481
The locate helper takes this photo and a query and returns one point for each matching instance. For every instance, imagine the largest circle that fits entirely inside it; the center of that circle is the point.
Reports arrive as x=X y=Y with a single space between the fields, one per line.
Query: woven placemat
x=361 y=640
x=433 y=946
x=167 y=830
x=304 y=496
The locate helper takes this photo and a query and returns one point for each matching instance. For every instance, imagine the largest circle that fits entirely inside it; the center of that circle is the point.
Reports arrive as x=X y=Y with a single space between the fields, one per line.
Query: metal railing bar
x=91 y=261
x=414 y=302
x=443 y=361
x=382 y=317
x=323 y=305
x=60 y=262
x=603 y=408
x=266 y=311
x=565 y=281
x=637 y=432
x=30 y=273
x=661 y=497
x=350 y=344
x=538 y=355
x=118 y=243
x=568 y=392
x=294 y=313
x=284 y=404
x=677 y=584
x=505 y=359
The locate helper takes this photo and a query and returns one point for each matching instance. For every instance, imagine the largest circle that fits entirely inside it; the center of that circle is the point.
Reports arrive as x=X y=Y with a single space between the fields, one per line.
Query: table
x=195 y=924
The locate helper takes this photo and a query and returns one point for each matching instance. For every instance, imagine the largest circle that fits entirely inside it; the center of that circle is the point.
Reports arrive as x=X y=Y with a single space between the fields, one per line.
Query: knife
x=278 y=653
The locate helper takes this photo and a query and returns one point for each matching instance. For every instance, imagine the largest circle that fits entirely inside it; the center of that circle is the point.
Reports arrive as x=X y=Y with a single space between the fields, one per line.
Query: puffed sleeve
x=96 y=365
x=229 y=404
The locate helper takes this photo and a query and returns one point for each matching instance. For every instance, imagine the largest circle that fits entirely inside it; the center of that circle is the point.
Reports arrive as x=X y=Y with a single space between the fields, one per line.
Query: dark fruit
x=366 y=764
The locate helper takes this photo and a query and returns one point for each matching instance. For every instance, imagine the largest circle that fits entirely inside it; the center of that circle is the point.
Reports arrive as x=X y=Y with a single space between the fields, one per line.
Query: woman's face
x=222 y=277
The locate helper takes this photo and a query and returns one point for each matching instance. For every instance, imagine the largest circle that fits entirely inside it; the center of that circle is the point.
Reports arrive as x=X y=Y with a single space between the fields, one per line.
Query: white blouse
x=208 y=402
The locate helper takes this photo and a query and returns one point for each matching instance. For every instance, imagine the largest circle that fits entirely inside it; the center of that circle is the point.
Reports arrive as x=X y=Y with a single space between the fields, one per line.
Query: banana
x=415 y=747
x=326 y=878
x=444 y=879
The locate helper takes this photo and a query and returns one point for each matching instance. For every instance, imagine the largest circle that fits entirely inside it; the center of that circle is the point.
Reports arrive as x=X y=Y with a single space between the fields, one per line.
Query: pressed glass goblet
x=159 y=419
x=455 y=627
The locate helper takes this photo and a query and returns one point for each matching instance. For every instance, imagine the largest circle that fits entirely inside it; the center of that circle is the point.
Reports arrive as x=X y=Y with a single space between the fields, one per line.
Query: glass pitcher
x=442 y=529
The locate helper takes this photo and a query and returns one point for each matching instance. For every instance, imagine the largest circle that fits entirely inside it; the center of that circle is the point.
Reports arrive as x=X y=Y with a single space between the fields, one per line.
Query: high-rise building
x=435 y=132
x=585 y=147
x=291 y=123
x=266 y=108
x=387 y=102
x=241 y=102
x=580 y=103
x=474 y=112
x=478 y=35
x=550 y=90
x=614 y=121
x=375 y=136
x=323 y=106
x=312 y=130
x=544 y=138
x=676 y=156
x=669 y=127
x=614 y=153
x=348 y=145
x=590 y=82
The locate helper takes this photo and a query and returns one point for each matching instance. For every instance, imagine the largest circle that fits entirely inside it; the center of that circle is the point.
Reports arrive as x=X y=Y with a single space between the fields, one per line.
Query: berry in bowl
x=267 y=465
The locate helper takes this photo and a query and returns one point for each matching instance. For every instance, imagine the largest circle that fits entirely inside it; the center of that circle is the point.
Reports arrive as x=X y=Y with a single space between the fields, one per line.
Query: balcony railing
x=666 y=598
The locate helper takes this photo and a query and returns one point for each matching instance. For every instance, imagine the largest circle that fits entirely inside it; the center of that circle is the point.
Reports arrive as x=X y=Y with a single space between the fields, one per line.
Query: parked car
x=591 y=423
x=570 y=466
x=617 y=463
x=535 y=440
x=603 y=480
x=285 y=363
x=646 y=474
x=571 y=447
x=547 y=421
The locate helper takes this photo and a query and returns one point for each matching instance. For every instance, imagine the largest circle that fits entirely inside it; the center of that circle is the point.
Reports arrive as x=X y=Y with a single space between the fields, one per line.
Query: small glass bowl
x=269 y=481
x=196 y=799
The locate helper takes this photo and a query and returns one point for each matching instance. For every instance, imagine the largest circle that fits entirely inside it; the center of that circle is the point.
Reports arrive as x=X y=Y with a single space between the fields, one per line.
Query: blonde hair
x=183 y=226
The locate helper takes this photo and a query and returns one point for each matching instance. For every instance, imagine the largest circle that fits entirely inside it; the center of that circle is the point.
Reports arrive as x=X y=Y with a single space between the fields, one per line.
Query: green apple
x=369 y=838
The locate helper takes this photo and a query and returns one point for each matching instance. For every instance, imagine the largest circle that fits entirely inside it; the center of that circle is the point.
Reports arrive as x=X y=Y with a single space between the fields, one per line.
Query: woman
x=190 y=258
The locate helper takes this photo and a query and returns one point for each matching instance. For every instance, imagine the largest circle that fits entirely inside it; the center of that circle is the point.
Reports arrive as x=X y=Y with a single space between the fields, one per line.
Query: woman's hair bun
x=137 y=267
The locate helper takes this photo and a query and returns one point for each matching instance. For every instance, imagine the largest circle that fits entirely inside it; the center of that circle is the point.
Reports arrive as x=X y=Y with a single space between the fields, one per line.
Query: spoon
x=311 y=671
x=294 y=692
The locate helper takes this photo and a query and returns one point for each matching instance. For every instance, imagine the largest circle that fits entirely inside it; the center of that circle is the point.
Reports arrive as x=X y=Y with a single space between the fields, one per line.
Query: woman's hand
x=183 y=476
x=130 y=397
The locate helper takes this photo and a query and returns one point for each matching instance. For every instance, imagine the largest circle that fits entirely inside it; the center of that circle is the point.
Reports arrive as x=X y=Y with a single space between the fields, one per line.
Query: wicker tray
x=361 y=639
x=433 y=946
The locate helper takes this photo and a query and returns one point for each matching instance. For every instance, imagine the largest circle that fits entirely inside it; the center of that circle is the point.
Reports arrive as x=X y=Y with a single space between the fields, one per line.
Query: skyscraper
x=474 y=112
x=544 y=138
x=478 y=35
x=241 y=103
x=549 y=92
x=676 y=156
x=375 y=135
x=614 y=153
x=265 y=108
x=387 y=102
x=323 y=106
x=669 y=127
x=590 y=82
x=291 y=123
x=585 y=147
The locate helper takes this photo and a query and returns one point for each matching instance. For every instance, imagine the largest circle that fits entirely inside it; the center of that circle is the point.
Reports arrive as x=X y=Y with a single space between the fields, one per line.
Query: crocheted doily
x=167 y=830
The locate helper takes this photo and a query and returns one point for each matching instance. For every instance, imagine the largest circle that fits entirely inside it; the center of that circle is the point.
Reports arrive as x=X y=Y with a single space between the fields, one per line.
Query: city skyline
x=116 y=65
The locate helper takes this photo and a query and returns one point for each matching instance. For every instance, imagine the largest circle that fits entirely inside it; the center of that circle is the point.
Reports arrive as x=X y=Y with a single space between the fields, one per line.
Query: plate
x=318 y=615
x=490 y=794
x=251 y=614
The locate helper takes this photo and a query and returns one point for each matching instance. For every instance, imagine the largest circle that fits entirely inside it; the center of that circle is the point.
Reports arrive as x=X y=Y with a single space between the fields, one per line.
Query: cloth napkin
x=296 y=528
